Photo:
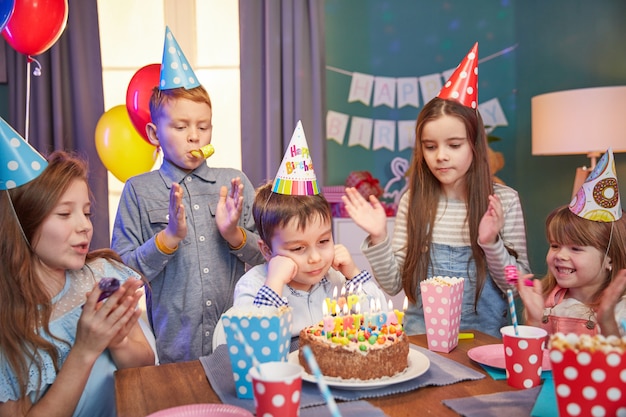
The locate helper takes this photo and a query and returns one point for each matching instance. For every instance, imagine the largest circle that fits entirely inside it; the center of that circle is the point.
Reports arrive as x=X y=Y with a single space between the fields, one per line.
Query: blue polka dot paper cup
x=267 y=331
x=589 y=374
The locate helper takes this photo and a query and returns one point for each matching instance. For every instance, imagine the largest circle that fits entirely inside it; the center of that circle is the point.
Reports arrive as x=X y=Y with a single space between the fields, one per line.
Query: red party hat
x=463 y=83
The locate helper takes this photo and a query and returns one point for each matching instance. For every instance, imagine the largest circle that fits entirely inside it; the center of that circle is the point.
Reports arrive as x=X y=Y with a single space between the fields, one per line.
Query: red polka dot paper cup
x=589 y=382
x=277 y=387
x=523 y=354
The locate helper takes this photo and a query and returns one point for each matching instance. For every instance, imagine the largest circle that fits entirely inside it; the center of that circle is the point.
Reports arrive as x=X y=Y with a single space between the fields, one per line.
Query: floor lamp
x=584 y=121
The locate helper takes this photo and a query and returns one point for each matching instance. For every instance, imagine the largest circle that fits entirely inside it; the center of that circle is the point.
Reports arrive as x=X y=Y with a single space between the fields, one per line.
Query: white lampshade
x=584 y=121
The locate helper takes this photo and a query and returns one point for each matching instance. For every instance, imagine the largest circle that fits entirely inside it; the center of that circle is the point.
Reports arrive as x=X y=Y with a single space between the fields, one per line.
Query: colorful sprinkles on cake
x=343 y=324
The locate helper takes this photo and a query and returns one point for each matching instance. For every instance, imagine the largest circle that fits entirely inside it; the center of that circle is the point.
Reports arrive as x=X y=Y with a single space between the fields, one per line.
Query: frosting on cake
x=361 y=352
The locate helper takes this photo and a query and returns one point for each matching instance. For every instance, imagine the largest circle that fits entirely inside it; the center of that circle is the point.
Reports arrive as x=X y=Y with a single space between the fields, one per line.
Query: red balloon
x=138 y=96
x=35 y=25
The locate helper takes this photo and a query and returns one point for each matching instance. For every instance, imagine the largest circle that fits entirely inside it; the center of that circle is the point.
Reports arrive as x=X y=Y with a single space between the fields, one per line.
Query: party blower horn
x=204 y=152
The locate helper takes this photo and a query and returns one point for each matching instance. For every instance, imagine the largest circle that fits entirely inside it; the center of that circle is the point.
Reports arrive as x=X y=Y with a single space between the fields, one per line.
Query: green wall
x=563 y=45
x=552 y=45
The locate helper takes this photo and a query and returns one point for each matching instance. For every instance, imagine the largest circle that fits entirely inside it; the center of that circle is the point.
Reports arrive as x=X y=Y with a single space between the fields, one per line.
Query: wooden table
x=141 y=391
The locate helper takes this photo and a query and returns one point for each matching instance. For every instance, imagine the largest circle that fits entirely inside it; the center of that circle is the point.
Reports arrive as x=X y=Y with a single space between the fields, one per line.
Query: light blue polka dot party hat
x=175 y=69
x=19 y=162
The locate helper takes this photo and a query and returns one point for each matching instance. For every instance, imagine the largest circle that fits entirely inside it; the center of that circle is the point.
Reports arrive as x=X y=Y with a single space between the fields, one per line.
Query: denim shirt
x=492 y=309
x=192 y=287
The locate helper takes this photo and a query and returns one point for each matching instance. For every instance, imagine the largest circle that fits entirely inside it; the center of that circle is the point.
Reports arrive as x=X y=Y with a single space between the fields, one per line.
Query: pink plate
x=493 y=355
x=203 y=410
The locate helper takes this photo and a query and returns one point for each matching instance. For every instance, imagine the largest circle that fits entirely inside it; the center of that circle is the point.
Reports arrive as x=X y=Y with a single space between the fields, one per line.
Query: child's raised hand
x=229 y=208
x=344 y=263
x=605 y=314
x=107 y=323
x=368 y=215
x=176 y=229
x=533 y=300
x=280 y=271
x=492 y=222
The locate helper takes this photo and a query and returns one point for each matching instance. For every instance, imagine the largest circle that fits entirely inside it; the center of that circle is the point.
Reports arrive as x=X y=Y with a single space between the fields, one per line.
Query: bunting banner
x=396 y=135
x=378 y=134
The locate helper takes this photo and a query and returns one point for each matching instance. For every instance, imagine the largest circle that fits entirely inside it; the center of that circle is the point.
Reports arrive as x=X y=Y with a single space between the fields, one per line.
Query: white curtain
x=282 y=81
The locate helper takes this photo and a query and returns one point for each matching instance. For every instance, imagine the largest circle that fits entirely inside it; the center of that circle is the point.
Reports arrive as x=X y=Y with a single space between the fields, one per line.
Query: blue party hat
x=175 y=69
x=19 y=162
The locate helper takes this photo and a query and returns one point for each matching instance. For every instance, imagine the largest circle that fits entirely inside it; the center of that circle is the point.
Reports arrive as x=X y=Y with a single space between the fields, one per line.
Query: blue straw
x=328 y=397
x=247 y=347
x=509 y=295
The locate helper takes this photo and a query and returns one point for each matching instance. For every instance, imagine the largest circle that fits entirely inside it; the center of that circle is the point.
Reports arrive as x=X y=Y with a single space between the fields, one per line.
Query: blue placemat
x=546 y=405
x=499 y=373
x=351 y=409
x=509 y=404
x=442 y=371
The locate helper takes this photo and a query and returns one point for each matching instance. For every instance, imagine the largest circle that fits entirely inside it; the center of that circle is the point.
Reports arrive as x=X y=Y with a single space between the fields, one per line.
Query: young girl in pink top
x=583 y=291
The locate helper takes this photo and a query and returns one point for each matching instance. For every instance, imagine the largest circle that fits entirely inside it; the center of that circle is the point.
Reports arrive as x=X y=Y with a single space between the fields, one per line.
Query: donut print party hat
x=296 y=175
x=175 y=69
x=463 y=83
x=19 y=162
x=598 y=197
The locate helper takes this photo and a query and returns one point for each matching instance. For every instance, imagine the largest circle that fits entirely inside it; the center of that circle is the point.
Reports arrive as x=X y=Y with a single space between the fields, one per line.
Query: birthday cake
x=363 y=353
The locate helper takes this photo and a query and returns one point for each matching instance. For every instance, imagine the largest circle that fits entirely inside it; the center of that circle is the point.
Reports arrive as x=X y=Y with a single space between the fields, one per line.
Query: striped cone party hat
x=296 y=175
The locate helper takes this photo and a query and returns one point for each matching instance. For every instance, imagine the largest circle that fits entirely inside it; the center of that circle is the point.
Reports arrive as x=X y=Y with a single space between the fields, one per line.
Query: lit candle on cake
x=357 y=315
x=391 y=315
x=400 y=314
x=329 y=324
x=352 y=297
x=369 y=316
x=338 y=322
x=380 y=318
x=332 y=303
x=342 y=299
x=348 y=320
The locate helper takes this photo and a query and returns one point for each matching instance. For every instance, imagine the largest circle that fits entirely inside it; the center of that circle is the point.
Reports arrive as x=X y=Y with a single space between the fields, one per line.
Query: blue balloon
x=6 y=10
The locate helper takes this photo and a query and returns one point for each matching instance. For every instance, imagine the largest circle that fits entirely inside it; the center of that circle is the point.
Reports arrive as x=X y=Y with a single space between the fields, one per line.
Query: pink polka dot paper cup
x=589 y=377
x=277 y=387
x=442 y=299
x=523 y=354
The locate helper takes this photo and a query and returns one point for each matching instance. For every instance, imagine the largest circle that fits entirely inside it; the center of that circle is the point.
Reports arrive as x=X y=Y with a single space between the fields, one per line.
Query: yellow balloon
x=120 y=147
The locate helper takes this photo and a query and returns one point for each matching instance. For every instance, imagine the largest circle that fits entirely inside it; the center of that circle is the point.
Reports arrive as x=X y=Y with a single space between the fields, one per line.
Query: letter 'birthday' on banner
x=397 y=92
x=378 y=134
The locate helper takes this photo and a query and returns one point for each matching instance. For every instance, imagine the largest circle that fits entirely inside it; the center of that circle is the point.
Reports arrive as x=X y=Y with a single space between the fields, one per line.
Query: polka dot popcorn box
x=442 y=299
x=589 y=375
x=266 y=330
